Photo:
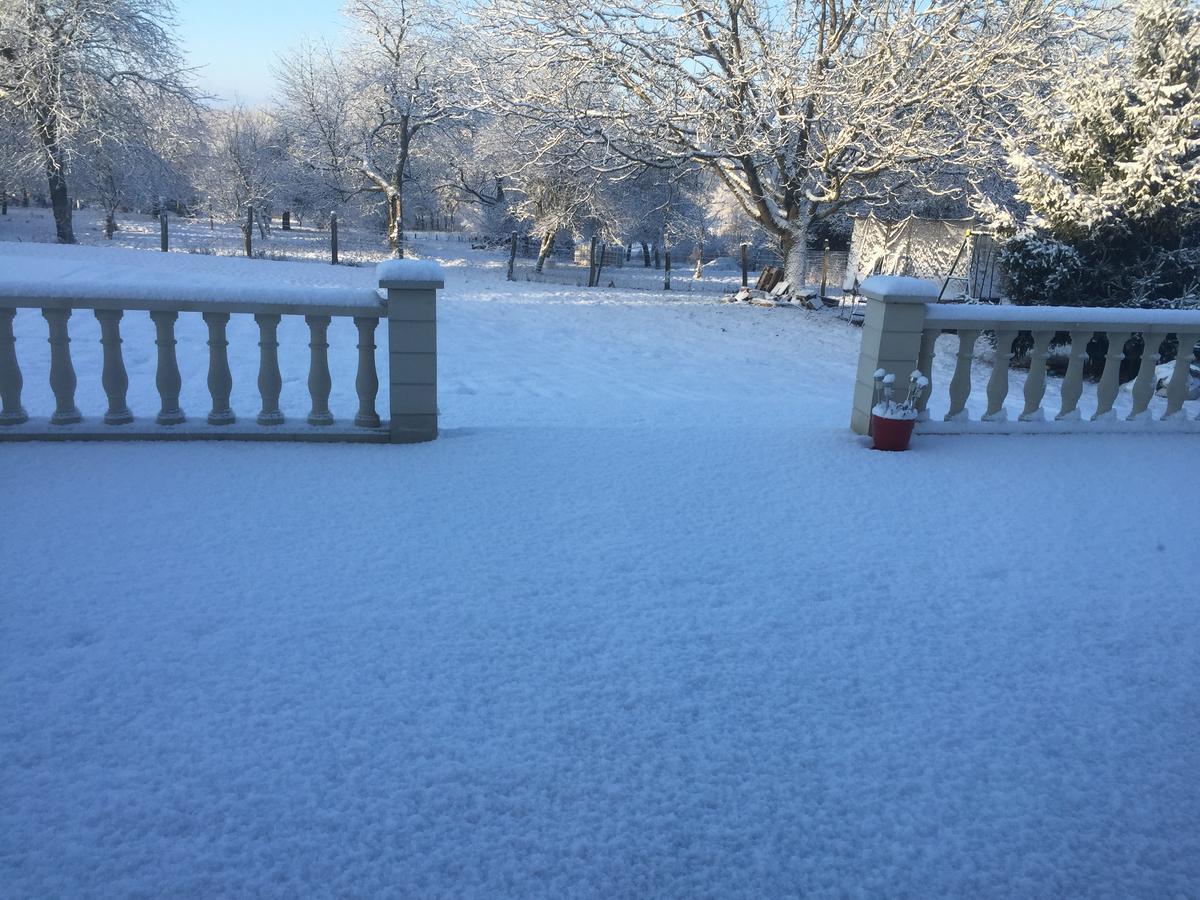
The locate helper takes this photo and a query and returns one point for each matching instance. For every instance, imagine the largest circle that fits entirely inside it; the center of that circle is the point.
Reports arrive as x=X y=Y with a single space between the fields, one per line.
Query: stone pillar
x=412 y=287
x=891 y=340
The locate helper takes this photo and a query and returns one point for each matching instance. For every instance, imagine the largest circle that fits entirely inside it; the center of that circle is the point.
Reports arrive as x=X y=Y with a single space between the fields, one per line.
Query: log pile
x=773 y=289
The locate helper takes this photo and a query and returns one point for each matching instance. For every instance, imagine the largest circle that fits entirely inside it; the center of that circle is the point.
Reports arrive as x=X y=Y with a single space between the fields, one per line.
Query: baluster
x=925 y=367
x=1110 y=380
x=10 y=373
x=113 y=377
x=1178 y=385
x=1072 y=388
x=270 y=382
x=367 y=381
x=319 y=381
x=960 y=384
x=1143 y=385
x=1035 y=384
x=220 y=379
x=62 y=373
x=167 y=378
x=997 y=389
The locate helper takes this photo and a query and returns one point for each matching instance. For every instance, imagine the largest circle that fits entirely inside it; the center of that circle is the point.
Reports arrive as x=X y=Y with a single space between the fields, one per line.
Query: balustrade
x=367 y=382
x=167 y=378
x=411 y=289
x=902 y=329
x=11 y=382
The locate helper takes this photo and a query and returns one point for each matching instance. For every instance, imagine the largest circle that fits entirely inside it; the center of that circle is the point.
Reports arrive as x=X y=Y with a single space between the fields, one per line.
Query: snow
x=899 y=288
x=646 y=620
x=414 y=271
x=892 y=410
x=1134 y=319
x=32 y=272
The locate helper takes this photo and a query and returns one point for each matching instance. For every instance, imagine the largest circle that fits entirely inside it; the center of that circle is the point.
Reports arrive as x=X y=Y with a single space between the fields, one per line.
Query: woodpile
x=773 y=289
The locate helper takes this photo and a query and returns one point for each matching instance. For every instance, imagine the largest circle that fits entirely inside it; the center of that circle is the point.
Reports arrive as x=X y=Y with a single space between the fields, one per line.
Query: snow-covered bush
x=1043 y=270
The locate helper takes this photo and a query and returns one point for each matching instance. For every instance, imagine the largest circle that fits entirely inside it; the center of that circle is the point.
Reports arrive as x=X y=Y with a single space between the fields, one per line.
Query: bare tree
x=245 y=161
x=357 y=115
x=799 y=108
x=17 y=159
x=83 y=70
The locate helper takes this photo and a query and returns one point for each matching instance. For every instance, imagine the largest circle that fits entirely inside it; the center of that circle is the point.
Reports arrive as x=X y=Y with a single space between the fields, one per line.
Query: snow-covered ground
x=647 y=620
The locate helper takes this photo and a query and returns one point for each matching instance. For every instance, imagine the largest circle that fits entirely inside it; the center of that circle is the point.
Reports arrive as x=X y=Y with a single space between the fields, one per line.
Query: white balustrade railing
x=903 y=324
x=407 y=300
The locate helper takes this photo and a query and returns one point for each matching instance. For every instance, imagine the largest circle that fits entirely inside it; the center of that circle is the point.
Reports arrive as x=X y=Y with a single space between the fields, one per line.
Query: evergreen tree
x=1113 y=181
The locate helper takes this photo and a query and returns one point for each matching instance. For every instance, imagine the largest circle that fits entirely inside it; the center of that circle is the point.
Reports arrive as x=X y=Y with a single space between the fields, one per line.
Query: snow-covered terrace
x=646 y=620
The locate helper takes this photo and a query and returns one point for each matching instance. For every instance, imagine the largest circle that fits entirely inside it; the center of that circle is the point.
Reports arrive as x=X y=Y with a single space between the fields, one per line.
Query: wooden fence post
x=163 y=242
x=333 y=237
x=824 y=269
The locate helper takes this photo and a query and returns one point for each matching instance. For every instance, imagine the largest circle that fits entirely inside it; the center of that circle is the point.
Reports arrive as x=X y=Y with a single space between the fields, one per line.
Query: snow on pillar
x=891 y=340
x=412 y=286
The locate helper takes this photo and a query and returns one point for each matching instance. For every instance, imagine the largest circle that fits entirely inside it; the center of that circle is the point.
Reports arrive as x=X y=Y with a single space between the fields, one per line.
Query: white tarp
x=924 y=248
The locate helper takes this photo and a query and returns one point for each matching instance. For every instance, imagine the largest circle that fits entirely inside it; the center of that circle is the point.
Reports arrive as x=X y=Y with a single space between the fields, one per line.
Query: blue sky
x=236 y=42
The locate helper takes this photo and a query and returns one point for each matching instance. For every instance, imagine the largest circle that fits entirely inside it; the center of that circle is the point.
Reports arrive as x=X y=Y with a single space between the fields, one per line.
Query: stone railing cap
x=899 y=289
x=409 y=273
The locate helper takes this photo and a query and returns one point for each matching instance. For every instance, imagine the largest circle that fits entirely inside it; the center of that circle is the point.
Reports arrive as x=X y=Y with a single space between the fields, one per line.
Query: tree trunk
x=395 y=226
x=795 y=255
x=110 y=224
x=544 y=251
x=61 y=203
x=645 y=255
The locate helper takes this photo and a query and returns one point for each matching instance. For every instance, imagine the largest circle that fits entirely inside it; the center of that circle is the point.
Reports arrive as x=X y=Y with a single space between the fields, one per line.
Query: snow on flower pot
x=891 y=422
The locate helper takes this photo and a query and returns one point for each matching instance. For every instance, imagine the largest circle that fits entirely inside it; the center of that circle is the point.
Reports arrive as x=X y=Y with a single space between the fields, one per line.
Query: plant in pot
x=891 y=421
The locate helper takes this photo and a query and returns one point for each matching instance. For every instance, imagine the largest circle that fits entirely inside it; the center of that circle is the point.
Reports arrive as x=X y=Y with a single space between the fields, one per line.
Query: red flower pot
x=891 y=434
